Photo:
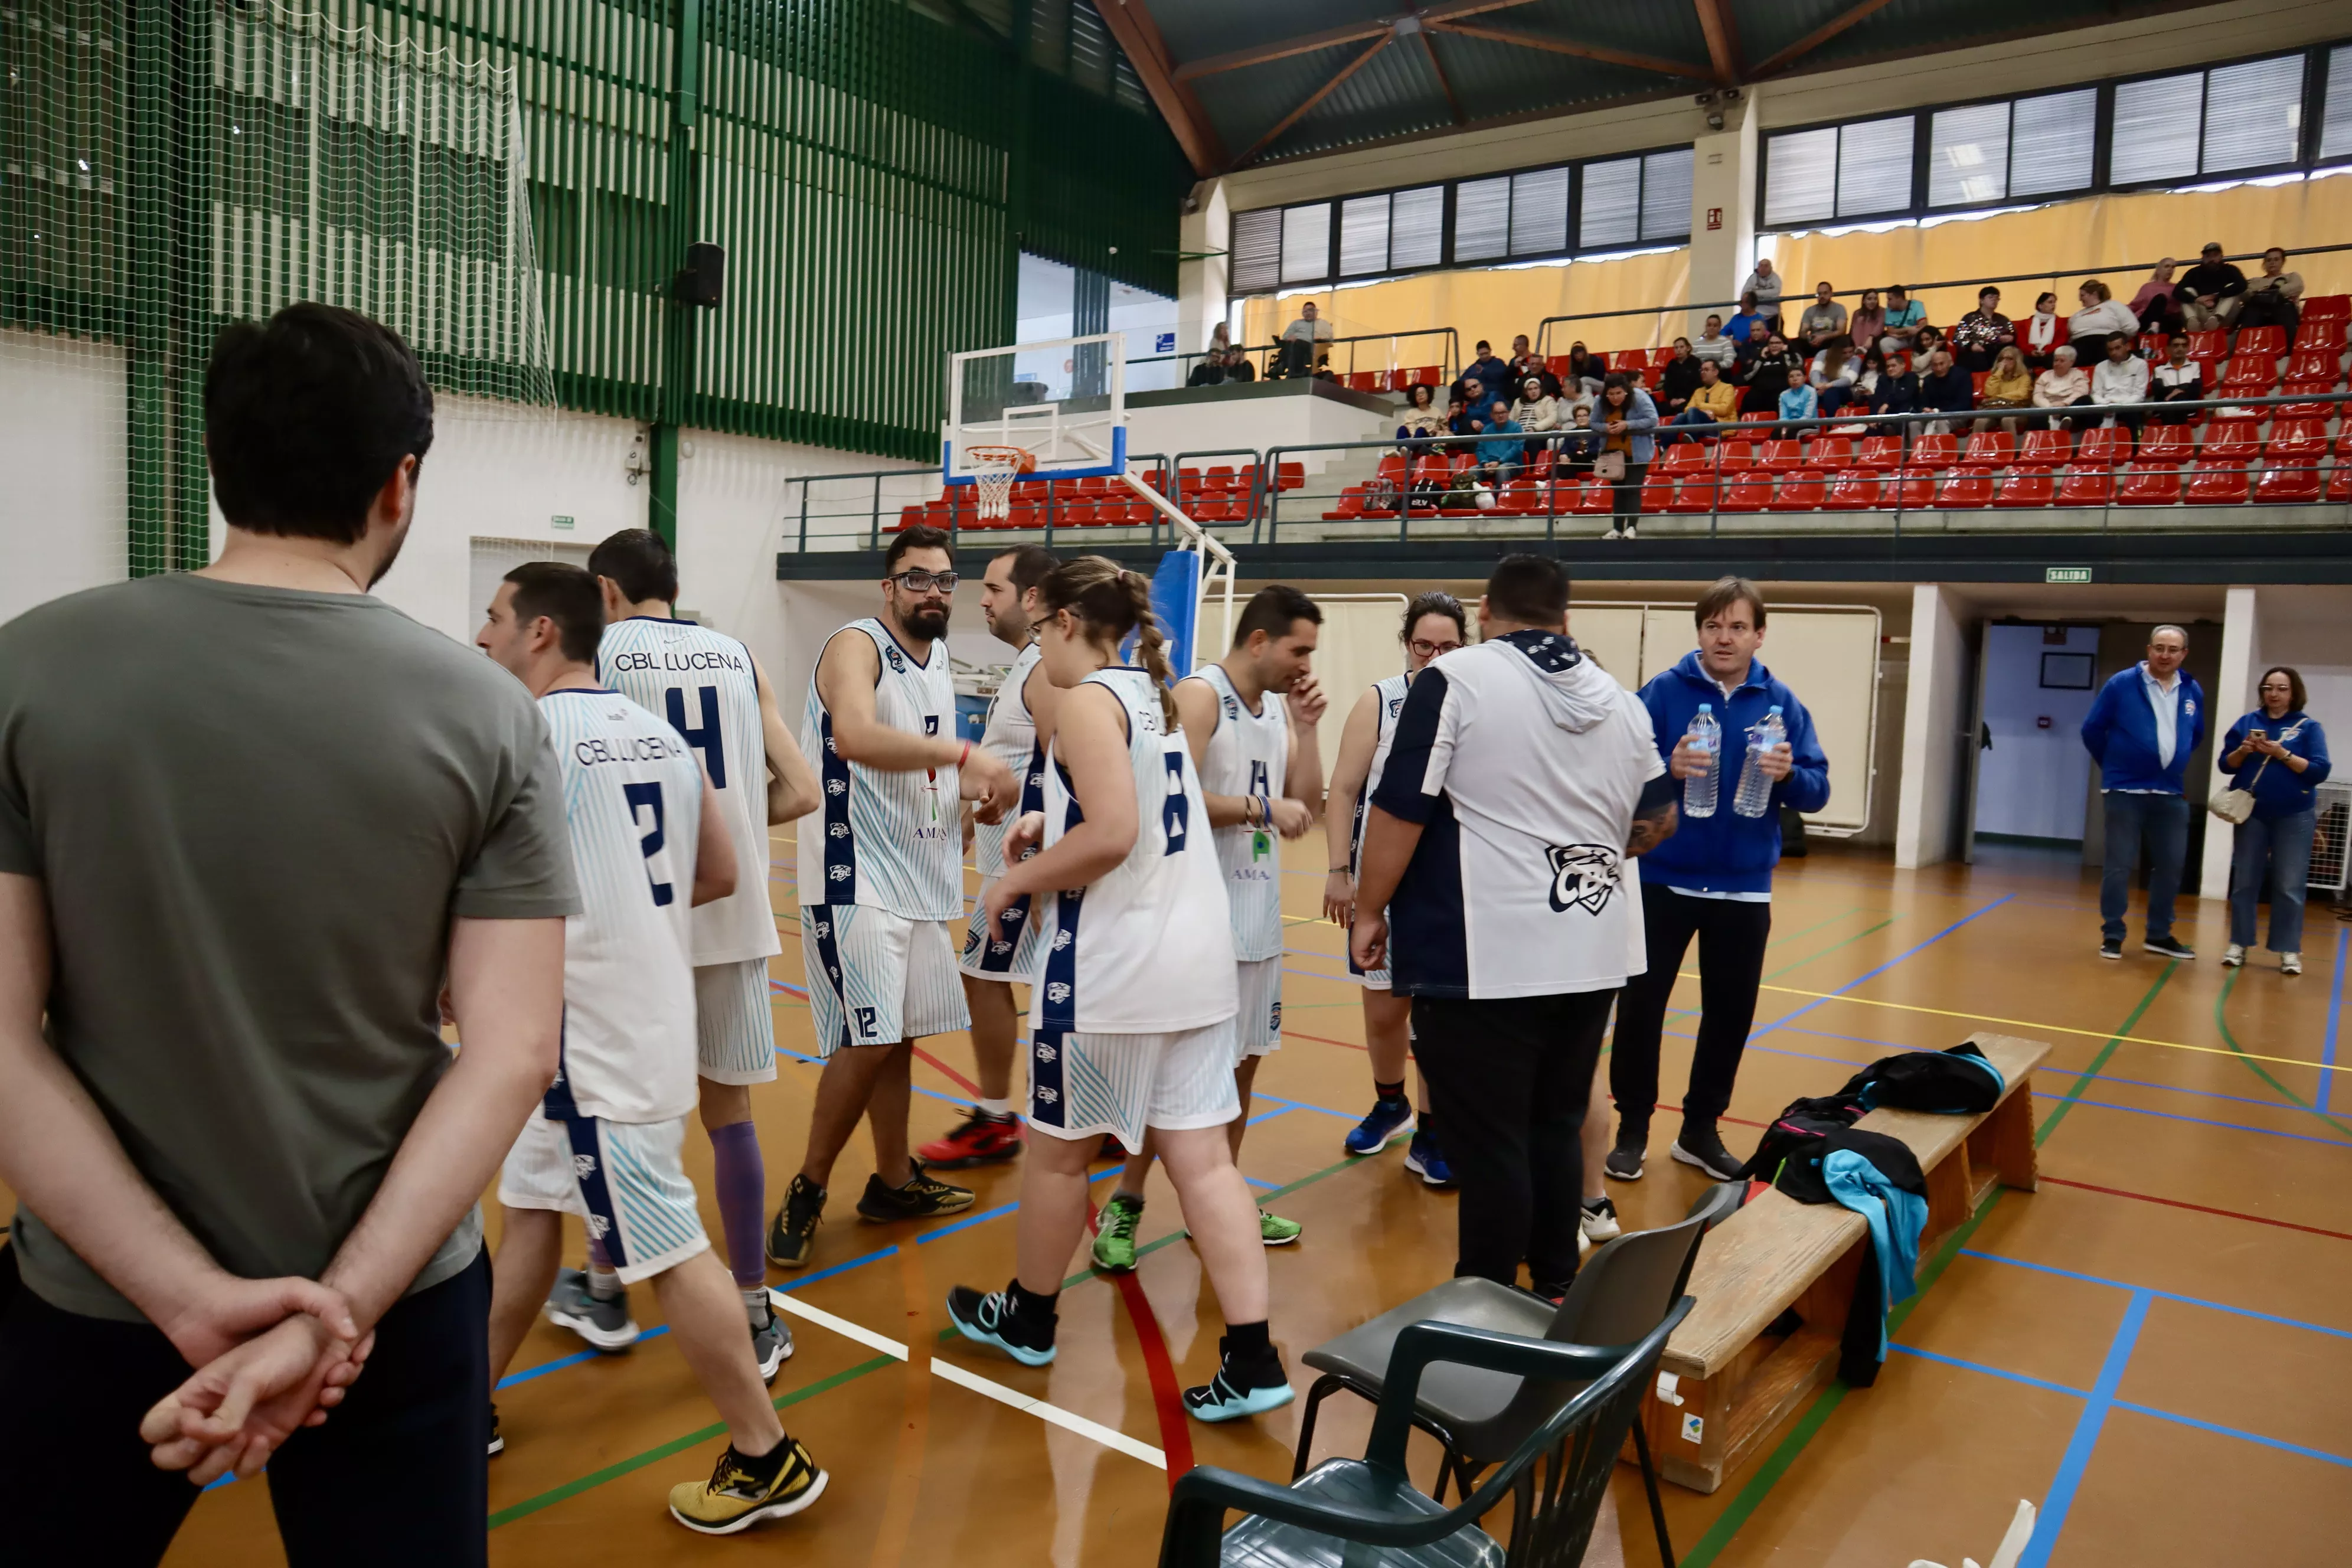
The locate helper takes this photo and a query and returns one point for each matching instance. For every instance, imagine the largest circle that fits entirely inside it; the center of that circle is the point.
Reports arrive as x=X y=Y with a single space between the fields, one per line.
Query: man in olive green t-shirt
x=250 y=820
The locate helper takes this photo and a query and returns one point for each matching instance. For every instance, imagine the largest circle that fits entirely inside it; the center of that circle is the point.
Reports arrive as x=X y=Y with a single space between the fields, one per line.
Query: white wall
x=62 y=444
x=2034 y=781
x=1256 y=423
x=1934 y=714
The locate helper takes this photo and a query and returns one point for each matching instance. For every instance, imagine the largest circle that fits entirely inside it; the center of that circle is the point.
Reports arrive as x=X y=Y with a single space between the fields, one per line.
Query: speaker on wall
x=704 y=277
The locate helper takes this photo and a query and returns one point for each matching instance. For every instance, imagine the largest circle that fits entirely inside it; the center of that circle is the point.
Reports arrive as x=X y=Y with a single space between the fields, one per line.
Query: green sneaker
x=1115 y=1233
x=1276 y=1231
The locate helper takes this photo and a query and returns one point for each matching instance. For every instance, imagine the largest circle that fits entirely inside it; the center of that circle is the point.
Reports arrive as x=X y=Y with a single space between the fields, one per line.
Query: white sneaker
x=2233 y=956
x=1629 y=531
x=1612 y=533
x=2290 y=963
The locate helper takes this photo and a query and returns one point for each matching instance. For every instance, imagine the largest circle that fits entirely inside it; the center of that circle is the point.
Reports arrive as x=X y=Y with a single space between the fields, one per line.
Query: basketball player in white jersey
x=881 y=874
x=1434 y=626
x=1261 y=773
x=1132 y=1023
x=994 y=959
x=649 y=843
x=714 y=693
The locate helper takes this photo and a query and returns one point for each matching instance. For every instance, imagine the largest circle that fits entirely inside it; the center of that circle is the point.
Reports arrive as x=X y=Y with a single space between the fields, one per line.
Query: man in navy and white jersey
x=1521 y=778
x=1261 y=775
x=994 y=958
x=881 y=875
x=649 y=843
x=714 y=693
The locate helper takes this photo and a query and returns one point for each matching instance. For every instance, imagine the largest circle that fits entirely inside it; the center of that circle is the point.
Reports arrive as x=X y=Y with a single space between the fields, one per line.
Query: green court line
x=1833 y=947
x=2222 y=1022
x=2067 y=1102
x=678 y=1445
x=1809 y=930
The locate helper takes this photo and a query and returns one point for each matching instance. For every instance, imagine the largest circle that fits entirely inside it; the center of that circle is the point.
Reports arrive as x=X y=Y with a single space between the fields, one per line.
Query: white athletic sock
x=997 y=1107
x=755 y=1306
x=602 y=1283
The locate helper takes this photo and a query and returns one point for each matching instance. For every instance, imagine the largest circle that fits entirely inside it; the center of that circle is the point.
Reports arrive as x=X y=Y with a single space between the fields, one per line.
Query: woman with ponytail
x=1132 y=1023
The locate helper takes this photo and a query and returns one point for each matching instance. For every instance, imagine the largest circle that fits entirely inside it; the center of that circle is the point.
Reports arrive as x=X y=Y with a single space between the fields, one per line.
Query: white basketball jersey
x=1139 y=951
x=702 y=682
x=1249 y=754
x=632 y=803
x=1390 y=703
x=1012 y=738
x=892 y=841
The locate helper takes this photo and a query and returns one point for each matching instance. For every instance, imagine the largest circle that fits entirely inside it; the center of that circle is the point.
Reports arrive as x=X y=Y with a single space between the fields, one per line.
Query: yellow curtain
x=2092 y=237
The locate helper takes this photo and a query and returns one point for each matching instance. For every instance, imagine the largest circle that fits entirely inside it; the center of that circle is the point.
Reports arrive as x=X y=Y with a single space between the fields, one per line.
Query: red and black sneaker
x=980 y=1139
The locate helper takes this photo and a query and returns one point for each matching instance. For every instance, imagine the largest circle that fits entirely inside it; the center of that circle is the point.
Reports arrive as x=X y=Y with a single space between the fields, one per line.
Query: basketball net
x=994 y=471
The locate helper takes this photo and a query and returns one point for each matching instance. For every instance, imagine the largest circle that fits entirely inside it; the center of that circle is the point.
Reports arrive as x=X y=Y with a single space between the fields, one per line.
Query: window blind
x=1539 y=212
x=1611 y=212
x=1257 y=251
x=1800 y=177
x=1968 y=155
x=2252 y=111
x=1482 y=219
x=1875 y=166
x=2155 y=128
x=1666 y=194
x=2051 y=142
x=1306 y=243
x=1363 y=235
x=2335 y=124
x=1417 y=227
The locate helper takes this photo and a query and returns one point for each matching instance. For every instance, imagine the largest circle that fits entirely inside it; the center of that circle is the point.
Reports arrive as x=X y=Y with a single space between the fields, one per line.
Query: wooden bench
x=1737 y=1382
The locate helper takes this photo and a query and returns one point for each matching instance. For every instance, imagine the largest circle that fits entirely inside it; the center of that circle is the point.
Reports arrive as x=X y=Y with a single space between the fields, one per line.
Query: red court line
x=960 y=1082
x=1167 y=1402
x=1323 y=1041
x=2200 y=1208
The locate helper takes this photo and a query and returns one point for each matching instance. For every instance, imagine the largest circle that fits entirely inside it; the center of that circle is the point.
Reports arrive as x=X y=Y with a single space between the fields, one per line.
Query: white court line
x=1108 y=1436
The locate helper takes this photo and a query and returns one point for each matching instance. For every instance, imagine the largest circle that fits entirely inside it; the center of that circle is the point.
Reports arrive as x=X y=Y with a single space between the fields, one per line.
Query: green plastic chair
x=1365 y=1510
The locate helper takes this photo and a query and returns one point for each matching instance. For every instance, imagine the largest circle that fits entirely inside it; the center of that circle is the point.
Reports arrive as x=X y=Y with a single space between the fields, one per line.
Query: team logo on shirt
x=897 y=663
x=834 y=786
x=1232 y=708
x=583 y=1166
x=1061 y=941
x=1045 y=1052
x=1058 y=992
x=1396 y=706
x=1583 y=875
x=837 y=829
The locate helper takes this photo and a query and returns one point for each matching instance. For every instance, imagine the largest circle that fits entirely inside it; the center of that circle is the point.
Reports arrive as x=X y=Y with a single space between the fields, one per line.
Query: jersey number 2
x=1175 y=807
x=709 y=740
x=648 y=797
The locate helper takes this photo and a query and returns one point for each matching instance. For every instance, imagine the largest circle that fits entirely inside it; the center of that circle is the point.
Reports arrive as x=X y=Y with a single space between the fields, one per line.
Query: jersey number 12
x=648 y=797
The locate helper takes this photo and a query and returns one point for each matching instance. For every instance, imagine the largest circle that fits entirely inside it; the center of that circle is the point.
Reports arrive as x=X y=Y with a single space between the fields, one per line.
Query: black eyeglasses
x=919 y=581
x=1426 y=650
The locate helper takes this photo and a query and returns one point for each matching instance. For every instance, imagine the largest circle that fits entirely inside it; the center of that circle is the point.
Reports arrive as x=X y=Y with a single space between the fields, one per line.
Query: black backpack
x=1954 y=1082
x=1797 y=1133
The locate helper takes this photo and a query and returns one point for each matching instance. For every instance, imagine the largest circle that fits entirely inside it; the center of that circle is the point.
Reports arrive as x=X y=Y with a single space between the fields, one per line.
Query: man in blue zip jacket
x=1712 y=880
x=2141 y=730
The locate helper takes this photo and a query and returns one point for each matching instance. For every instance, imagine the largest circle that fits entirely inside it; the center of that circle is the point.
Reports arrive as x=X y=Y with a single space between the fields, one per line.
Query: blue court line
x=2155 y=1294
x=2060 y=1501
x=2335 y=1015
x=1999 y=1371
x=559 y=1362
x=1859 y=979
x=1305 y=1105
x=2279 y=1443
x=1254 y=1182
x=860 y=1261
x=1282 y=1108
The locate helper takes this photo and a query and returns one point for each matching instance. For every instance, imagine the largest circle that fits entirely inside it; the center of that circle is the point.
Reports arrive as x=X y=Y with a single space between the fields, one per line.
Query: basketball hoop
x=994 y=469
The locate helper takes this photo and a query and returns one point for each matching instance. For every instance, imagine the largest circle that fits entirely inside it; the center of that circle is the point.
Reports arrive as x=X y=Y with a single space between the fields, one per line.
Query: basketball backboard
x=1064 y=402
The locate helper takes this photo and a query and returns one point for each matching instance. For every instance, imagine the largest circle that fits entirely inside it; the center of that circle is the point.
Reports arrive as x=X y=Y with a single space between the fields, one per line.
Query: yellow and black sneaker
x=793 y=1231
x=741 y=1491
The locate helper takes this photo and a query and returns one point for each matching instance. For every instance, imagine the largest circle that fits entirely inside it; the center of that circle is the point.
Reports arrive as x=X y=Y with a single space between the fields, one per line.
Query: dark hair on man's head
x=1030 y=564
x=1273 y=610
x=640 y=564
x=566 y=595
x=1529 y=589
x=307 y=416
x=1988 y=293
x=1726 y=593
x=922 y=536
x=1435 y=602
x=2295 y=697
x=1484 y=345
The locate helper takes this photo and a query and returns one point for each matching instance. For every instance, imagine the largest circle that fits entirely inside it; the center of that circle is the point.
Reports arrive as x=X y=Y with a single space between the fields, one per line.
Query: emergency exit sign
x=2065 y=574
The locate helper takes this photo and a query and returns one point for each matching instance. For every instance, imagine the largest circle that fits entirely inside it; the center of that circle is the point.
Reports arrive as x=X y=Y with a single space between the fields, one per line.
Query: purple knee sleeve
x=742 y=1182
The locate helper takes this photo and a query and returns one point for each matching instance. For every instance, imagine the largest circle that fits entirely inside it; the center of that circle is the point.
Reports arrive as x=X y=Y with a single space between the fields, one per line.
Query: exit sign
x=2065 y=574
x=565 y=523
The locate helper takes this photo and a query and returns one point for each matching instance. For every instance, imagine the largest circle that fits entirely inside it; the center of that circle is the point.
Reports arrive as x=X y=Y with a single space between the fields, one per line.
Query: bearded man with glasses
x=881 y=873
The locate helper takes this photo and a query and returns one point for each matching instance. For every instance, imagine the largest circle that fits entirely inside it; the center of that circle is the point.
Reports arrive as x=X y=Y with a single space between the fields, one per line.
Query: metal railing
x=1269 y=353
x=1919 y=475
x=859 y=508
x=1799 y=300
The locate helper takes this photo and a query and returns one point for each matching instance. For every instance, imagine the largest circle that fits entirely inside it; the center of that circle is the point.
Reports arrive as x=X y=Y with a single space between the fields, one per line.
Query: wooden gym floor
x=2156 y=1349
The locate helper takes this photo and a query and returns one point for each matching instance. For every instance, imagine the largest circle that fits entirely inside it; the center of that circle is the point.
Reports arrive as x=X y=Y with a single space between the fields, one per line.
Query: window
x=1306 y=243
x=2155 y=124
x=1987 y=153
x=1800 y=177
x=2243 y=116
x=1256 y=251
x=1363 y=235
x=1612 y=212
x=1482 y=219
x=1875 y=166
x=1539 y=212
x=2335 y=124
x=1968 y=156
x=1417 y=227
x=1666 y=194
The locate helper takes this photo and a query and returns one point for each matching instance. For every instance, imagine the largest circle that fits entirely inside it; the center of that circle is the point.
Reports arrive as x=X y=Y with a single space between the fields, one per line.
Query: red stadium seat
x=1757 y=416
x=1965 y=488
x=1883 y=453
x=2110 y=444
x=1391 y=468
x=1991 y=449
x=2210 y=343
x=1749 y=491
x=2339 y=483
x=2327 y=307
x=1218 y=479
x=1910 y=489
x=2271 y=340
x=1214 y=507
x=1830 y=452
x=2314 y=410
x=1695 y=493
x=1976 y=379
x=1190 y=483
x=1352 y=505
x=1398 y=380
x=2218 y=484
x=1935 y=451
x=1658 y=493
x=1025 y=514
x=2146 y=486
x=1429 y=375
x=1519 y=497
x=2288 y=485
x=2154 y=344
x=2319 y=336
x=1290 y=475
x=1364 y=381
x=1080 y=514
x=1687 y=458
x=1735 y=455
x=2314 y=364
x=1431 y=469
x=1801 y=491
x=2087 y=485
x=2045 y=449
x=2249 y=374
x=2296 y=440
x=1592 y=497
x=1781 y=456
x=2167 y=444
x=2230 y=441
x=2024 y=486
x=1558 y=365
x=1856 y=489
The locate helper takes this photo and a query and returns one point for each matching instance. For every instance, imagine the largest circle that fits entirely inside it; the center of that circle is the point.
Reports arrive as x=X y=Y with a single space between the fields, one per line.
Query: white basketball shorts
x=876 y=978
x=1017 y=953
x=625 y=1180
x=1083 y=1085
x=1257 y=1028
x=734 y=1023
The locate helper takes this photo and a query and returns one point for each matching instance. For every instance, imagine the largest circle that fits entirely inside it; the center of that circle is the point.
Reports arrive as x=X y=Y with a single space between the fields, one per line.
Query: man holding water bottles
x=1714 y=877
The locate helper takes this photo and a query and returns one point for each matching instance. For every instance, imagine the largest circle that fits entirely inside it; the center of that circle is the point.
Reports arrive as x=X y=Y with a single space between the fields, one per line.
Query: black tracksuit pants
x=1731 y=937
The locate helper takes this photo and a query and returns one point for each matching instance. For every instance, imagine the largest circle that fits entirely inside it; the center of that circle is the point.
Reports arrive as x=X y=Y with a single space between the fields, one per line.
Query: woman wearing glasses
x=2279 y=755
x=1434 y=626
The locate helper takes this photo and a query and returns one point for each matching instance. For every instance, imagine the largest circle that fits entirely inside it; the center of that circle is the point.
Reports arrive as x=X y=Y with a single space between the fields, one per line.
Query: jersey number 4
x=1175 y=807
x=708 y=740
x=648 y=797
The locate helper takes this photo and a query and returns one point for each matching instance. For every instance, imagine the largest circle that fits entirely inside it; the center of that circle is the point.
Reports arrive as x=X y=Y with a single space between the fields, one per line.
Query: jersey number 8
x=1175 y=807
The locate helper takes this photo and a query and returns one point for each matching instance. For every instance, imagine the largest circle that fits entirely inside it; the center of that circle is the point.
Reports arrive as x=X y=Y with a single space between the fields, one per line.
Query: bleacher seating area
x=1216 y=493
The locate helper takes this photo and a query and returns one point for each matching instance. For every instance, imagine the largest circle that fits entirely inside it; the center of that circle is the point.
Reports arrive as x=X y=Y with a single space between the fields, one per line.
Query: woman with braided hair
x=1132 y=1023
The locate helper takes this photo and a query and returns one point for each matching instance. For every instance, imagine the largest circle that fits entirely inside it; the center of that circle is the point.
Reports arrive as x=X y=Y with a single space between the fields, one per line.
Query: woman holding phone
x=2278 y=753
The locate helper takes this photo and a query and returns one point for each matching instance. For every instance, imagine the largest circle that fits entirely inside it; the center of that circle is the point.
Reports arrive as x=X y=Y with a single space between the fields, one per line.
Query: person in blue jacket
x=2279 y=755
x=2141 y=730
x=1712 y=880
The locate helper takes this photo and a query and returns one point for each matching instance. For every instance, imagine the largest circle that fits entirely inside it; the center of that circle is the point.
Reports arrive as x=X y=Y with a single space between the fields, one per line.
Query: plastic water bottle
x=1705 y=735
x=1756 y=790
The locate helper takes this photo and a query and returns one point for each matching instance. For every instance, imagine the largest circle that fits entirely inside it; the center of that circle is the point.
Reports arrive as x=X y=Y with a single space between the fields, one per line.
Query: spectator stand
x=1398 y=364
x=851 y=512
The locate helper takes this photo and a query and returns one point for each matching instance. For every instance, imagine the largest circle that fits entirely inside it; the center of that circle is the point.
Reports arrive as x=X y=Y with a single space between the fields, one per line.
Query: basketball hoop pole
x=1217 y=573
